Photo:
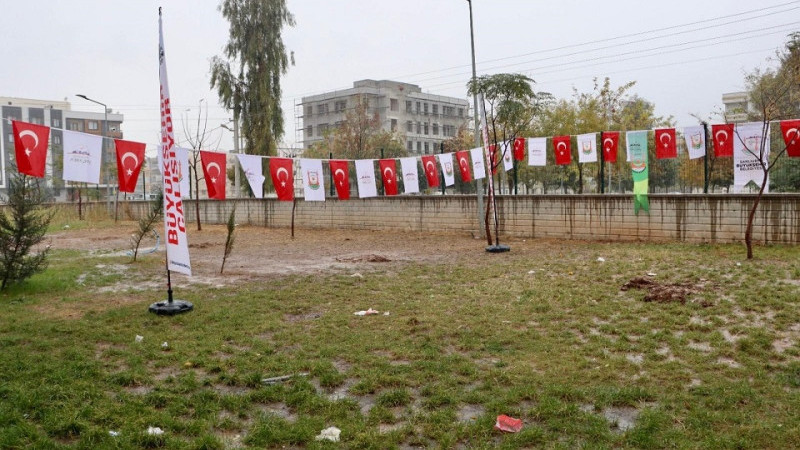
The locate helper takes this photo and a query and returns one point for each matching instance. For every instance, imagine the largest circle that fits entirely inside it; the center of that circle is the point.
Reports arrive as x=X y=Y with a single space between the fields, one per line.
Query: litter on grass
x=369 y=312
x=508 y=424
x=113 y=433
x=282 y=378
x=155 y=431
x=329 y=434
x=164 y=345
x=601 y=259
x=139 y=338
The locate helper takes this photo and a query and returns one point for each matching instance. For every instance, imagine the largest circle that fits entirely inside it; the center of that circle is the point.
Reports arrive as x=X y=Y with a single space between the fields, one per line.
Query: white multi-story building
x=60 y=116
x=422 y=120
x=736 y=106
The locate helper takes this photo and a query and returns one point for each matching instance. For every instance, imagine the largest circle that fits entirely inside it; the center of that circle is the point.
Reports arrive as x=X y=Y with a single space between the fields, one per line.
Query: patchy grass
x=544 y=334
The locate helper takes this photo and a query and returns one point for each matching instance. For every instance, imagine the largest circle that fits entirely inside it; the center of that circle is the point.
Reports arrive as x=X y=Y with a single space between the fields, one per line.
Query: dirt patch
x=469 y=413
x=664 y=293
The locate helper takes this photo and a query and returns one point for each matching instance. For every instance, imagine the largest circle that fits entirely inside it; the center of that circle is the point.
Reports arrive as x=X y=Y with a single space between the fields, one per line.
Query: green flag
x=637 y=157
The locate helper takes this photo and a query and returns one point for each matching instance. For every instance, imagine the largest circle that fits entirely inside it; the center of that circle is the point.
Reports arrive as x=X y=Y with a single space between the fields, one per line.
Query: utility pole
x=479 y=182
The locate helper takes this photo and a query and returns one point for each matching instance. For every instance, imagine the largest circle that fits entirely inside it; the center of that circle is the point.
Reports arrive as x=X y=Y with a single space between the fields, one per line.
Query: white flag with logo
x=537 y=151
x=746 y=151
x=254 y=172
x=313 y=180
x=587 y=148
x=507 y=154
x=82 y=157
x=365 y=173
x=695 y=138
x=478 y=164
x=446 y=161
x=174 y=222
x=410 y=175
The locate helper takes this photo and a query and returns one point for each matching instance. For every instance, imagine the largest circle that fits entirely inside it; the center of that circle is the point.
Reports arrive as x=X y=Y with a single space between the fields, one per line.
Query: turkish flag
x=280 y=169
x=610 y=141
x=562 y=149
x=429 y=164
x=30 y=145
x=723 y=137
x=463 y=165
x=389 y=176
x=790 y=129
x=214 y=173
x=341 y=178
x=519 y=148
x=665 y=143
x=130 y=156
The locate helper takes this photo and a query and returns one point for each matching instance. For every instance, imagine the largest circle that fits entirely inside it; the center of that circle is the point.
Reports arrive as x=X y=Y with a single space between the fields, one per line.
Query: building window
x=11 y=137
x=394 y=105
x=448 y=130
x=448 y=111
x=310 y=131
x=426 y=148
x=460 y=112
x=409 y=127
x=436 y=129
x=425 y=126
x=339 y=106
x=309 y=110
x=56 y=139
x=419 y=128
x=425 y=108
x=408 y=106
x=36 y=120
x=435 y=109
x=410 y=146
x=92 y=125
x=419 y=147
x=394 y=125
x=75 y=126
x=56 y=122
x=419 y=107
x=322 y=108
x=321 y=129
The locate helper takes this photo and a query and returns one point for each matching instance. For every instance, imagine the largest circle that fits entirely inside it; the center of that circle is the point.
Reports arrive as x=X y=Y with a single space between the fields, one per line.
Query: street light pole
x=104 y=132
x=479 y=182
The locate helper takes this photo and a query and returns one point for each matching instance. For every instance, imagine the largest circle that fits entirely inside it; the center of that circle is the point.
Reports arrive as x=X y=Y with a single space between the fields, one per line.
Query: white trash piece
x=329 y=434
x=164 y=345
x=601 y=259
x=139 y=338
x=368 y=312
x=155 y=431
x=113 y=433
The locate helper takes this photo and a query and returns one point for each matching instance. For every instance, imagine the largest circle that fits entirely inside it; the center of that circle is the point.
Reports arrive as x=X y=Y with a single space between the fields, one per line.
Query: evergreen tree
x=23 y=225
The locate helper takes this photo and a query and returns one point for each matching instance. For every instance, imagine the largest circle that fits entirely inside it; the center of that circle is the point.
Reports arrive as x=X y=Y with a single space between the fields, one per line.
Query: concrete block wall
x=690 y=218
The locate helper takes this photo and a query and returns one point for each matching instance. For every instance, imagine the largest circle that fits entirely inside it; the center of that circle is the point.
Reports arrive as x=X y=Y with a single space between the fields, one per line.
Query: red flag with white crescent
x=519 y=148
x=341 y=178
x=280 y=169
x=610 y=145
x=562 y=149
x=723 y=139
x=214 y=173
x=388 y=175
x=665 y=143
x=429 y=164
x=462 y=158
x=790 y=129
x=130 y=156
x=30 y=147
x=494 y=160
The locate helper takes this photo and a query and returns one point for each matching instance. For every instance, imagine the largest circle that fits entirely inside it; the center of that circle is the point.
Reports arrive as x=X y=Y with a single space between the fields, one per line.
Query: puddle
x=622 y=418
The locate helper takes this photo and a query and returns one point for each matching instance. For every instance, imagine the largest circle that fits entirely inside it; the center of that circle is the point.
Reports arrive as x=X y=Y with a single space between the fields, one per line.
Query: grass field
x=545 y=334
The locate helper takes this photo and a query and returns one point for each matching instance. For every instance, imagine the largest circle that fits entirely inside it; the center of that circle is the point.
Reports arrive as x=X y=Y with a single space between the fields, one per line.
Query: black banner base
x=499 y=248
x=167 y=308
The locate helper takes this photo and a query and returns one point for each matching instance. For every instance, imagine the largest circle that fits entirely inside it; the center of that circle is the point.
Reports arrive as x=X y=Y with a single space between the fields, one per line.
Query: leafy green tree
x=22 y=227
x=248 y=80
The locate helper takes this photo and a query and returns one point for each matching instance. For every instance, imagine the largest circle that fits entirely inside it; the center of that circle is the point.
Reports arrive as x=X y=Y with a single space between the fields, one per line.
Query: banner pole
x=602 y=164
x=705 y=158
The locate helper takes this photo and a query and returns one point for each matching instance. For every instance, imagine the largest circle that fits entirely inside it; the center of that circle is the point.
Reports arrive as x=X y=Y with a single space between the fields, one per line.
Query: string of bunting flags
x=82 y=154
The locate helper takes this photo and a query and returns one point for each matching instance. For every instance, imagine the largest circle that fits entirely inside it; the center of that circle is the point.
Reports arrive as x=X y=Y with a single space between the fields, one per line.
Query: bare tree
x=198 y=137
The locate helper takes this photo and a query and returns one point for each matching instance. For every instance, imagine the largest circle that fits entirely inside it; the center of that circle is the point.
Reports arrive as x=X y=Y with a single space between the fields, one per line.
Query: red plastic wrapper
x=508 y=424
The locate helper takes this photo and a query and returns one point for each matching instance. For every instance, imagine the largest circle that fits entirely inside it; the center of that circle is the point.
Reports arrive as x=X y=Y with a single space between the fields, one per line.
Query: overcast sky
x=107 y=50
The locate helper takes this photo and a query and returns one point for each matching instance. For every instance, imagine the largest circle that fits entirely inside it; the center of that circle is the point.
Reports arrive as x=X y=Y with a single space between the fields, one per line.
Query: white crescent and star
x=430 y=166
x=219 y=171
x=462 y=162
x=127 y=155
x=30 y=133
x=792 y=134
x=336 y=173
x=608 y=141
x=278 y=175
x=724 y=136
x=388 y=176
x=663 y=135
x=558 y=147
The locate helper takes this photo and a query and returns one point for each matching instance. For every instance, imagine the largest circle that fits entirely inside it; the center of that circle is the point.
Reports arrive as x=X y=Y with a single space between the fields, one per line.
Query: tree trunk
x=486 y=222
x=196 y=198
x=294 y=205
x=748 y=234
